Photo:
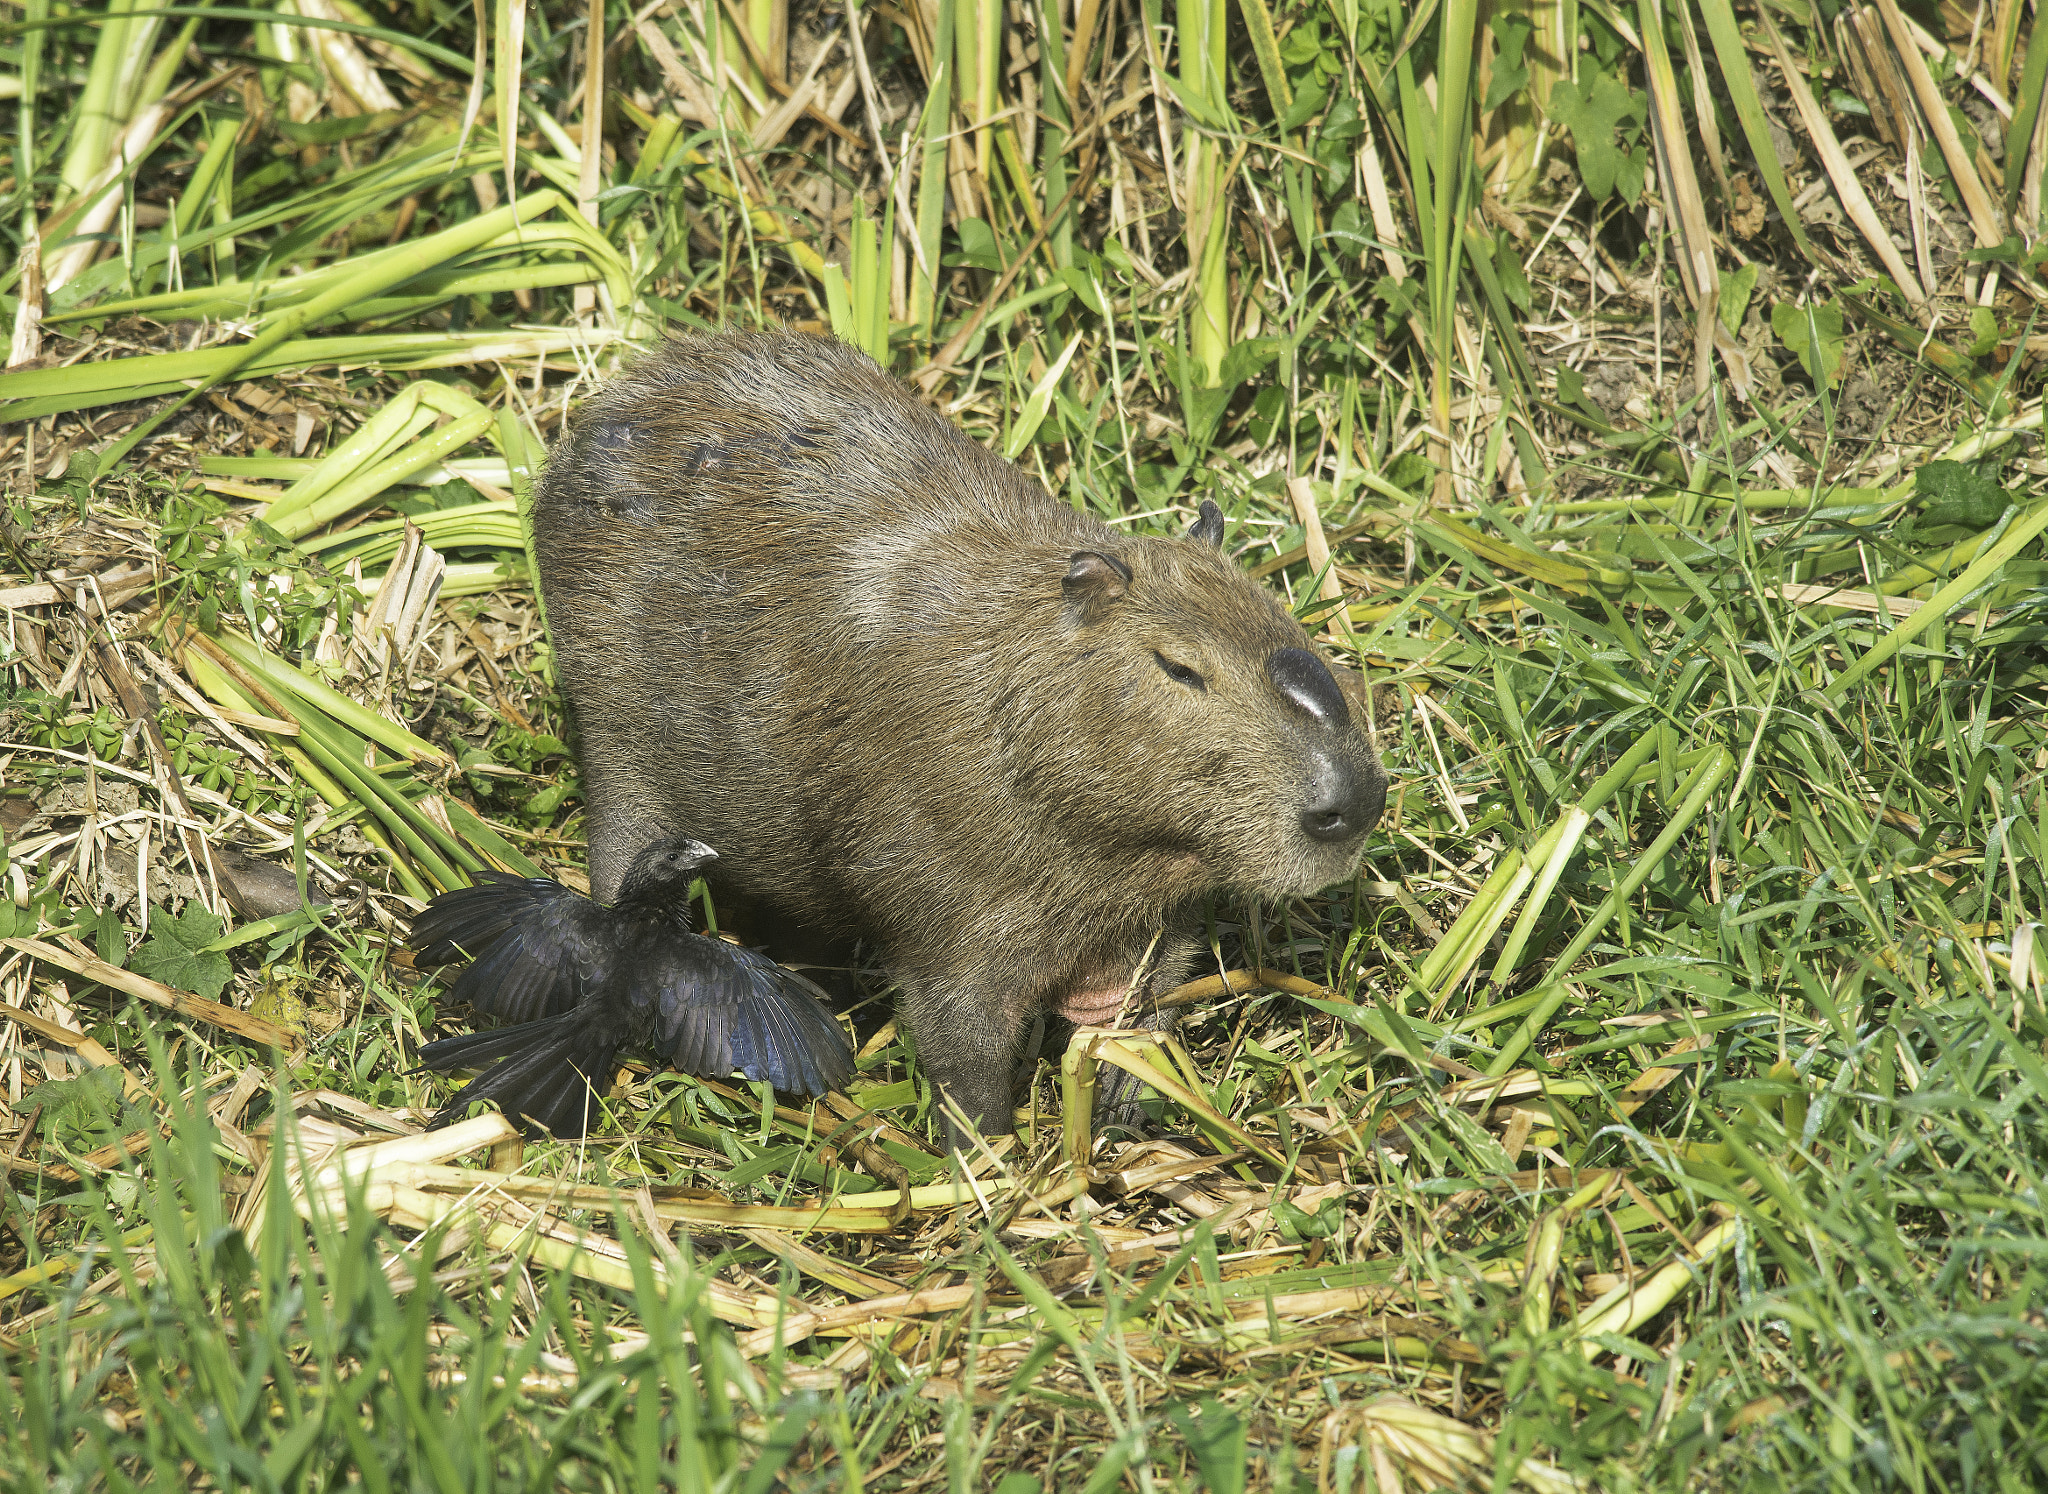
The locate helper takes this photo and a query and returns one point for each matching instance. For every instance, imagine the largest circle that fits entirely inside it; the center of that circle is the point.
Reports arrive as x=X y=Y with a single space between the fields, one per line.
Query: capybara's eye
x=1181 y=674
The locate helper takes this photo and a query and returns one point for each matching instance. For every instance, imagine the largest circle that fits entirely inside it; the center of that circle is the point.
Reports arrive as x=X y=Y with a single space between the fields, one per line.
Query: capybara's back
x=908 y=697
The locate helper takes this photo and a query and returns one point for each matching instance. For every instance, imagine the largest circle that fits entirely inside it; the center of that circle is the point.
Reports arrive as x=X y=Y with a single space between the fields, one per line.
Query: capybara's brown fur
x=910 y=698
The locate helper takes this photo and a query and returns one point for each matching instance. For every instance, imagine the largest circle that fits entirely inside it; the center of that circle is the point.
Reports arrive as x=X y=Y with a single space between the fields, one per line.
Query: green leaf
x=1299 y=1224
x=1246 y=358
x=1514 y=281
x=1306 y=106
x=1954 y=494
x=1815 y=336
x=109 y=942
x=1510 y=73
x=1304 y=43
x=977 y=247
x=543 y=804
x=94 y=1097
x=1216 y=1438
x=1736 y=287
x=175 y=952
x=1332 y=145
x=1606 y=119
x=1083 y=286
x=1478 y=1142
x=1571 y=390
x=1411 y=472
x=1400 y=297
x=1983 y=331
x=291 y=1447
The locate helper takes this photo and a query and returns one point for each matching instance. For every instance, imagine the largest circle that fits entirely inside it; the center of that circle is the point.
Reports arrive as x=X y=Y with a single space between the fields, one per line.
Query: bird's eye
x=1181 y=674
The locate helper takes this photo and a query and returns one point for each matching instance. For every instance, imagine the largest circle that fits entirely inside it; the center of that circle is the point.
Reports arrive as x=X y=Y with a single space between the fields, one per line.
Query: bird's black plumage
x=582 y=981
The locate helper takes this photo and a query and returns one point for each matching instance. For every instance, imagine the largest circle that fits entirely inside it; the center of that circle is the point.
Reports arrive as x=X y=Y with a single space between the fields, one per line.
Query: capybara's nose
x=1309 y=687
x=1340 y=803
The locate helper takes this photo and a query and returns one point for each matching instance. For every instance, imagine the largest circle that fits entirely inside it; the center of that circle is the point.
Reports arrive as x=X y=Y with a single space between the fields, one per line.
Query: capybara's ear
x=1208 y=525
x=605 y=447
x=610 y=439
x=1093 y=585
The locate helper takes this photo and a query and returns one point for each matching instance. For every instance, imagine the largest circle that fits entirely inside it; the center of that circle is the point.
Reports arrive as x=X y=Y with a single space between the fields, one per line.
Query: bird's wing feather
x=786 y=1036
x=535 y=946
x=466 y=921
x=692 y=1033
x=710 y=1007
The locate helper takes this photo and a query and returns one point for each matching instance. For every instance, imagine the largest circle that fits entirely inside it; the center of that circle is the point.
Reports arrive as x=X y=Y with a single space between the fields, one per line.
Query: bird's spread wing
x=534 y=945
x=712 y=1007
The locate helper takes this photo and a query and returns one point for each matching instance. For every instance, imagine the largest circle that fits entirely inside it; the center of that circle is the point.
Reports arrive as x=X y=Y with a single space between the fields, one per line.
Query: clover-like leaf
x=175 y=952
x=1510 y=72
x=1606 y=119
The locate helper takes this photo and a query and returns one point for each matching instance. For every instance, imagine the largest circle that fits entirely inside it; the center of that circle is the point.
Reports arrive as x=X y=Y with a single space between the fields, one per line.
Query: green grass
x=313 y=1353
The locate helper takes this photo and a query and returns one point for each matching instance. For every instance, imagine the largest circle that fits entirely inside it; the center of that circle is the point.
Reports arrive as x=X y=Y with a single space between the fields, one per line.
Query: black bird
x=582 y=981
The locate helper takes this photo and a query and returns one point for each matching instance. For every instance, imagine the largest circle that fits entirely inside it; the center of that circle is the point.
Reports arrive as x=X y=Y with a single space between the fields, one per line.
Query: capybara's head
x=1185 y=718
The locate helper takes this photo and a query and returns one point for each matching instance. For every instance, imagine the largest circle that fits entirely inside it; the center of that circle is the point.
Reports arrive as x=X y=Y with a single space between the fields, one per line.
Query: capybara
x=911 y=699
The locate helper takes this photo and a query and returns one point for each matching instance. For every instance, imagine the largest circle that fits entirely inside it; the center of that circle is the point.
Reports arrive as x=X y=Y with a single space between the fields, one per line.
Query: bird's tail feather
x=543 y=1074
